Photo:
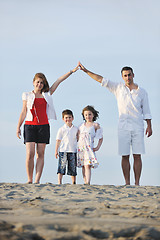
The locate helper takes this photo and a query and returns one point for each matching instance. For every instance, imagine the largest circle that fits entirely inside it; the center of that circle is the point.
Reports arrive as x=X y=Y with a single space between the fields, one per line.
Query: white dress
x=85 y=154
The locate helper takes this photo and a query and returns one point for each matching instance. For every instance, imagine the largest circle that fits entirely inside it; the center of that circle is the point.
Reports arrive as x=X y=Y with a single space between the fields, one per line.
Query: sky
x=51 y=36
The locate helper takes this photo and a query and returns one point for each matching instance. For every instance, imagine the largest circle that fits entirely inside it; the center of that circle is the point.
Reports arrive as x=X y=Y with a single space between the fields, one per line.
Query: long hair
x=91 y=108
x=45 y=82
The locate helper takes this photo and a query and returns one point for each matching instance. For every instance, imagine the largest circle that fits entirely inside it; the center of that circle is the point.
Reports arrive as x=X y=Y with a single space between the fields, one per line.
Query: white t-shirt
x=68 y=137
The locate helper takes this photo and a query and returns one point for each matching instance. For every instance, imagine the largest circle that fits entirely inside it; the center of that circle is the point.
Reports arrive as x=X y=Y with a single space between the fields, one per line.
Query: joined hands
x=79 y=67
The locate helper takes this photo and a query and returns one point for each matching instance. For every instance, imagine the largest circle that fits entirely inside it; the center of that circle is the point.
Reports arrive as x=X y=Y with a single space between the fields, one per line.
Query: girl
x=86 y=151
x=38 y=109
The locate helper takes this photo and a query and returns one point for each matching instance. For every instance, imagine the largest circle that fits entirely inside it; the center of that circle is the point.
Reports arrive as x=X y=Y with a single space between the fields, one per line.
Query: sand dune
x=73 y=212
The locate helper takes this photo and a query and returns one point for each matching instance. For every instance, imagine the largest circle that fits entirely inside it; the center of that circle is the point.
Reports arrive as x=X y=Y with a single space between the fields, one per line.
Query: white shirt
x=87 y=135
x=68 y=137
x=133 y=105
x=30 y=96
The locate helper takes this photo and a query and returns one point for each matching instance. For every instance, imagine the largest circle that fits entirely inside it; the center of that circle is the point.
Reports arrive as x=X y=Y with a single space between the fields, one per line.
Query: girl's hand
x=95 y=149
x=19 y=133
x=98 y=145
x=56 y=154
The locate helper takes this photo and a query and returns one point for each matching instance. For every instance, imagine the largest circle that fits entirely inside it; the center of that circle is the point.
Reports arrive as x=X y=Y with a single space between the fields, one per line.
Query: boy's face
x=68 y=119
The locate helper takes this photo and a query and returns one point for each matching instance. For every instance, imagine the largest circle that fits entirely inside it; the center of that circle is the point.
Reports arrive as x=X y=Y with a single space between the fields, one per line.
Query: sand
x=49 y=211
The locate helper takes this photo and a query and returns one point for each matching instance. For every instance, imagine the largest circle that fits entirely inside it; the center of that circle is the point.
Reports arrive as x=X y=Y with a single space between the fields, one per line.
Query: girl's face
x=88 y=115
x=38 y=84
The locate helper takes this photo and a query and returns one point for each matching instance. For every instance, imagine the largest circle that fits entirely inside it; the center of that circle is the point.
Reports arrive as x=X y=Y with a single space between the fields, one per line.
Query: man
x=133 y=108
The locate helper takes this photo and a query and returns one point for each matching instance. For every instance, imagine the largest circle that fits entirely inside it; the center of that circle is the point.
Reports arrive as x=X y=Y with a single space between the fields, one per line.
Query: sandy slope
x=48 y=211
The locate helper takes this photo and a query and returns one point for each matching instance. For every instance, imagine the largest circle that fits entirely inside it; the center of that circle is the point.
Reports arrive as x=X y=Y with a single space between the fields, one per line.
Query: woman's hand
x=18 y=133
x=75 y=69
x=21 y=118
x=61 y=79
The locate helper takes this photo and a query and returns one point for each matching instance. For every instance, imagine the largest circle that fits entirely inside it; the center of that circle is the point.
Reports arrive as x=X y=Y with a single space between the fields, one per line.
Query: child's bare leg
x=73 y=179
x=84 y=176
x=60 y=176
x=87 y=173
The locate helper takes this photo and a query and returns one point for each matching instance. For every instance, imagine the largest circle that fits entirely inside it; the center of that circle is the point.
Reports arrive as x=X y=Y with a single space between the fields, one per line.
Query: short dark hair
x=67 y=112
x=91 y=108
x=126 y=69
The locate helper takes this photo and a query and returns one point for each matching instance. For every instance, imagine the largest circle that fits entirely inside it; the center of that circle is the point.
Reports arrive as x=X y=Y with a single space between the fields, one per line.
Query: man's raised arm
x=95 y=76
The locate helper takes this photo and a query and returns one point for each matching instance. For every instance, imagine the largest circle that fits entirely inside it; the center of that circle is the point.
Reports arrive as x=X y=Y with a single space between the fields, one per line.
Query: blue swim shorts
x=71 y=158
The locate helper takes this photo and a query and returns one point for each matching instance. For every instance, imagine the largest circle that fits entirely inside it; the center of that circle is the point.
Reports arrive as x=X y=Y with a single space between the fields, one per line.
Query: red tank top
x=39 y=112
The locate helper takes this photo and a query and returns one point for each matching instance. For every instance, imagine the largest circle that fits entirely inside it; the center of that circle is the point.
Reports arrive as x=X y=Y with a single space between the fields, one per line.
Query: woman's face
x=88 y=115
x=38 y=84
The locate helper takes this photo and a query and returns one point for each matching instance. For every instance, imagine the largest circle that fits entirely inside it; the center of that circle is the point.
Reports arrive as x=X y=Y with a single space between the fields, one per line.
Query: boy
x=66 y=143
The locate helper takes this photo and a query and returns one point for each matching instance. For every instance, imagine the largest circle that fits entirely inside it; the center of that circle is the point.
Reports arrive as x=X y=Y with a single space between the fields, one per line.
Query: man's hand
x=149 y=128
x=82 y=67
x=148 y=131
x=95 y=76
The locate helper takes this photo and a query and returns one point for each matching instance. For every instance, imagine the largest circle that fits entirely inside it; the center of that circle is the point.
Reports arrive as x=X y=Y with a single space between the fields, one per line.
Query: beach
x=50 y=211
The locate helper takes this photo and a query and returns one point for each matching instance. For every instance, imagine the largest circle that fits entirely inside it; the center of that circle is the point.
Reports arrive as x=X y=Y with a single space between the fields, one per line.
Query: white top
x=87 y=135
x=30 y=96
x=68 y=137
x=133 y=105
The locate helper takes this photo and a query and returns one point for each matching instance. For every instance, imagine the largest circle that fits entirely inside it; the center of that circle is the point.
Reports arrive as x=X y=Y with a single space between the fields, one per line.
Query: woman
x=37 y=110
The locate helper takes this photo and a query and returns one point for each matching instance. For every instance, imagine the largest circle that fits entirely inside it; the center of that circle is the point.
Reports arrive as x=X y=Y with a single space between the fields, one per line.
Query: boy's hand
x=56 y=154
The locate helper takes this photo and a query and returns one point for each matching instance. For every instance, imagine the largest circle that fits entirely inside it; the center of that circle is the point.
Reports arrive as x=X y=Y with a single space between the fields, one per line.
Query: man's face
x=128 y=77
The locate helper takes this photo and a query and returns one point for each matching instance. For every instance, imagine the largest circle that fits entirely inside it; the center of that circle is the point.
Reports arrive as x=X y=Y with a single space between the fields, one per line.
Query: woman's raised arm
x=61 y=79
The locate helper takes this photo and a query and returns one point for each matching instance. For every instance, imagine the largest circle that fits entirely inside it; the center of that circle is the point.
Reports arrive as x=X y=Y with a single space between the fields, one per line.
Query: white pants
x=128 y=139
